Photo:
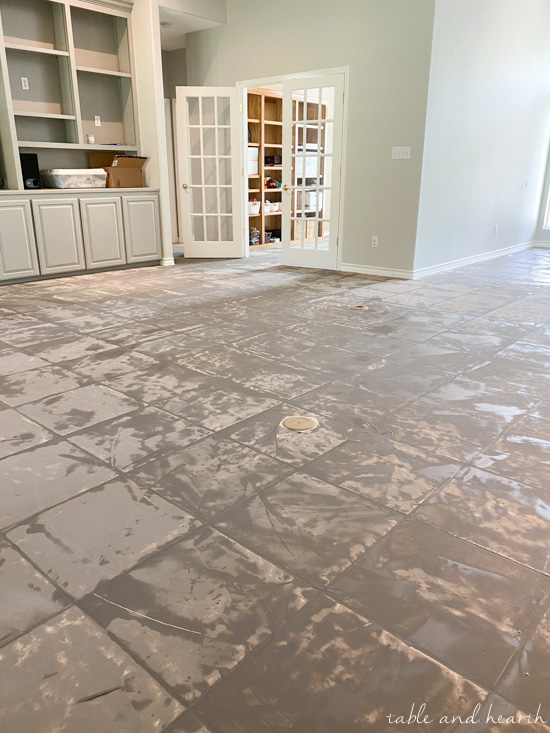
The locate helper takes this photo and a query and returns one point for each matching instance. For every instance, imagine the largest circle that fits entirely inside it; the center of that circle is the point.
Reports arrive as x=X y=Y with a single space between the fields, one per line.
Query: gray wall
x=487 y=130
x=174 y=71
x=387 y=45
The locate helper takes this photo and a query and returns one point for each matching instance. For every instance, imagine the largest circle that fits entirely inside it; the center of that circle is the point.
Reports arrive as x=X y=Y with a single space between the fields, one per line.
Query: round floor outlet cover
x=300 y=423
x=358 y=307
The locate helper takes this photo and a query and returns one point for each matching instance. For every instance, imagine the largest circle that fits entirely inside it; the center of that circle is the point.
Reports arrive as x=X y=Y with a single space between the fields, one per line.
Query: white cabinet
x=58 y=235
x=103 y=231
x=17 y=246
x=142 y=228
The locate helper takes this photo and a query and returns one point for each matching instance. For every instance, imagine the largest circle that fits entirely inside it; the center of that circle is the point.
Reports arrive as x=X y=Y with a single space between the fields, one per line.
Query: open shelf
x=106 y=72
x=100 y=41
x=49 y=78
x=35 y=49
x=52 y=129
x=45 y=115
x=36 y=25
x=109 y=98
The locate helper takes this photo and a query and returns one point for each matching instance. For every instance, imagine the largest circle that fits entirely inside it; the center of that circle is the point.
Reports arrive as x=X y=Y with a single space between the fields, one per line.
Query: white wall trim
x=423 y=271
x=378 y=271
x=470 y=260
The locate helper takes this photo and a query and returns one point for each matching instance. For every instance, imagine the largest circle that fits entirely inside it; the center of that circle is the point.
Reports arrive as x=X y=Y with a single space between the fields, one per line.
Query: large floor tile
x=397 y=476
x=98 y=535
x=27 y=597
x=126 y=441
x=37 y=384
x=441 y=429
x=68 y=676
x=39 y=478
x=308 y=526
x=65 y=413
x=265 y=433
x=507 y=517
x=527 y=678
x=17 y=433
x=329 y=669
x=196 y=610
x=523 y=452
x=467 y=607
x=210 y=476
x=353 y=404
x=14 y=362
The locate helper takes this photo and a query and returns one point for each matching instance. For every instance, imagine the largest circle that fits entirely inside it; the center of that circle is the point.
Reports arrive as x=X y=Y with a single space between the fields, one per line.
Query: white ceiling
x=173 y=37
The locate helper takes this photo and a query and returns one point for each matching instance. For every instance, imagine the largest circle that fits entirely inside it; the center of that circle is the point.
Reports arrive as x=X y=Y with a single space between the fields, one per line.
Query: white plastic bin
x=74 y=178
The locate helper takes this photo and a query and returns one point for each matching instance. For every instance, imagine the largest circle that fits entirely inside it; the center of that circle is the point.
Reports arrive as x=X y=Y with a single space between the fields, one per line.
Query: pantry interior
x=307 y=165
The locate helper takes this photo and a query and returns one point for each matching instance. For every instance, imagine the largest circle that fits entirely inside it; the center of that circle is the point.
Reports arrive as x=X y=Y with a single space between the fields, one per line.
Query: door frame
x=269 y=81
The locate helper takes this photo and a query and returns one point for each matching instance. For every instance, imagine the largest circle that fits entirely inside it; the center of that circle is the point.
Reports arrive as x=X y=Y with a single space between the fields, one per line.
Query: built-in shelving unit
x=66 y=78
x=265 y=124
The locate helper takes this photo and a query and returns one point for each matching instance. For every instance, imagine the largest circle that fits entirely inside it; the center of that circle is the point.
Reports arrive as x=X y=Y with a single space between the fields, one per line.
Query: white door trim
x=269 y=81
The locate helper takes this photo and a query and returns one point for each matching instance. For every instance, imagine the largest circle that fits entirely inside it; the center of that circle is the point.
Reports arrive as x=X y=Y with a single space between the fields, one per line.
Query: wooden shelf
x=252 y=119
x=105 y=72
x=273 y=122
x=273 y=167
x=273 y=145
x=253 y=145
x=43 y=115
x=254 y=190
x=35 y=49
x=273 y=213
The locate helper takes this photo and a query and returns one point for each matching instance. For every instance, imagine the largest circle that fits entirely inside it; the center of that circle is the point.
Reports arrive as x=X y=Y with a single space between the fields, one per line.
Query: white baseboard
x=451 y=265
x=423 y=271
x=167 y=262
x=539 y=244
x=378 y=271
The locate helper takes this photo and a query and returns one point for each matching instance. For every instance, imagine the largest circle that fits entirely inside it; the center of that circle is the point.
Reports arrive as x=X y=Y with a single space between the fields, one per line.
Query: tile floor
x=172 y=560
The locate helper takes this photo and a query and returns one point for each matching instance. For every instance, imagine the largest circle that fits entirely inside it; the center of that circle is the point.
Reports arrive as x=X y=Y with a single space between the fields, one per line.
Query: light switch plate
x=401 y=153
x=97 y=121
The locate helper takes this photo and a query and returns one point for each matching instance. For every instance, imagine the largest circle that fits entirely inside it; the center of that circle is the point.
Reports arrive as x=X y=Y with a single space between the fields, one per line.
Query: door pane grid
x=209 y=140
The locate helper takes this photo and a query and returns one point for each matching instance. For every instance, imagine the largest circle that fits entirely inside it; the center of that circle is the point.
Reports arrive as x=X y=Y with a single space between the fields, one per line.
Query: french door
x=208 y=132
x=313 y=111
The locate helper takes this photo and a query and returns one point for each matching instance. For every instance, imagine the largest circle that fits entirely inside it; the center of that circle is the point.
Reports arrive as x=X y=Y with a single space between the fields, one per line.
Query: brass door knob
x=286 y=188
x=185 y=186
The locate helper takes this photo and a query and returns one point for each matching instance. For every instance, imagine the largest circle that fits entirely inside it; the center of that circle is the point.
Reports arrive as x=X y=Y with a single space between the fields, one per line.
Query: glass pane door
x=209 y=154
x=312 y=161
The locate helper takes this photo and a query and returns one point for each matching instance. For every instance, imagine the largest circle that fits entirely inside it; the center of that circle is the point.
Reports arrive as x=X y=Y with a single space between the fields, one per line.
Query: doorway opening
x=264 y=168
x=293 y=138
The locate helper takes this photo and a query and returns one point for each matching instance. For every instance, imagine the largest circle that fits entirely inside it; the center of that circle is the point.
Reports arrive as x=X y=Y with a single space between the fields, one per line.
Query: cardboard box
x=122 y=171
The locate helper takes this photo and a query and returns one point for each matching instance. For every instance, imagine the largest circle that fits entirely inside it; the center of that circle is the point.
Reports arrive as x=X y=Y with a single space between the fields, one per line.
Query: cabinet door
x=141 y=228
x=17 y=245
x=58 y=235
x=103 y=231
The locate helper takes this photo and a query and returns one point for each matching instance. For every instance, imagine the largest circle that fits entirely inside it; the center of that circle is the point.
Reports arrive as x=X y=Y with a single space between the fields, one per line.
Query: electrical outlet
x=97 y=121
x=375 y=241
x=401 y=153
x=24 y=83
x=495 y=230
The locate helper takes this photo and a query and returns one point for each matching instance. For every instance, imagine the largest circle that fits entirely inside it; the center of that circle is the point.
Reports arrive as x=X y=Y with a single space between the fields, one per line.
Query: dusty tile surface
x=27 y=597
x=174 y=560
x=197 y=609
x=64 y=664
x=310 y=527
x=460 y=603
x=98 y=535
x=210 y=476
x=333 y=670
x=44 y=476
